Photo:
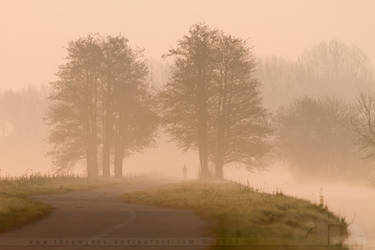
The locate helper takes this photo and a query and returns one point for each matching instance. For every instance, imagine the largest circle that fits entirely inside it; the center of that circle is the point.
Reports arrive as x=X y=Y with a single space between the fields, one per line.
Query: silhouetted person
x=184 y=172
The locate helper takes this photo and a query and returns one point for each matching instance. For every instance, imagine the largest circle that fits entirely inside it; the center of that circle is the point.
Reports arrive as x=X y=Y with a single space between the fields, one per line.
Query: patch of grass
x=237 y=211
x=17 y=209
x=42 y=184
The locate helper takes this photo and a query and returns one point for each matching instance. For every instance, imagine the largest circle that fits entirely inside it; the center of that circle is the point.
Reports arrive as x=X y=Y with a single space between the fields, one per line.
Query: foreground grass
x=16 y=211
x=16 y=207
x=237 y=211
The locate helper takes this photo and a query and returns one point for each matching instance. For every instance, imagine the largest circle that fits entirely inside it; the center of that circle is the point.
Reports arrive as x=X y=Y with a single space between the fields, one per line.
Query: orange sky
x=34 y=32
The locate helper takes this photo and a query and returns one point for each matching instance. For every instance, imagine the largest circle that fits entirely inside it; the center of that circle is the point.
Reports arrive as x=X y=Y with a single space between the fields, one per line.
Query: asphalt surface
x=98 y=219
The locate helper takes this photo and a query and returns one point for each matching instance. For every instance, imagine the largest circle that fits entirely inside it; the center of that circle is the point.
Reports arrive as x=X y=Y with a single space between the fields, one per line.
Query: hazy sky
x=34 y=32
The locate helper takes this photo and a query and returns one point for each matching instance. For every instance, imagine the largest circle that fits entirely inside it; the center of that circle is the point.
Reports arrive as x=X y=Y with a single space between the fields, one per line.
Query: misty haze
x=187 y=124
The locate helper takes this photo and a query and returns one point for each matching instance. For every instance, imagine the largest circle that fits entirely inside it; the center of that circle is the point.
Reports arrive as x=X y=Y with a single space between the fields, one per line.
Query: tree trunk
x=92 y=162
x=203 y=143
x=92 y=150
x=118 y=159
x=203 y=158
x=224 y=111
x=108 y=130
x=106 y=159
x=219 y=168
x=219 y=157
x=202 y=125
x=119 y=148
x=107 y=138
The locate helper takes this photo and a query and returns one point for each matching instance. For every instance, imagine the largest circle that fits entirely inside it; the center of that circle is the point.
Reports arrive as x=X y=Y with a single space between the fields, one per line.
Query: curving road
x=96 y=219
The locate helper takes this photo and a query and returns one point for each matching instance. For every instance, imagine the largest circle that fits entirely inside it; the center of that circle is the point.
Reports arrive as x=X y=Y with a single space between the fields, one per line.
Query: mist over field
x=276 y=95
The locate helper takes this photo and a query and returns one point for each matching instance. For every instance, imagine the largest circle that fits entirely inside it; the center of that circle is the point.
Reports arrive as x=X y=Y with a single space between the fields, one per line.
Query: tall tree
x=186 y=96
x=114 y=68
x=73 y=114
x=212 y=101
x=101 y=99
x=240 y=127
x=134 y=121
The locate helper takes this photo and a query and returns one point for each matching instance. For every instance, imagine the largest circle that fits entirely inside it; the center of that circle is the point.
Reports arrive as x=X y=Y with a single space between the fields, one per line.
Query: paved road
x=96 y=219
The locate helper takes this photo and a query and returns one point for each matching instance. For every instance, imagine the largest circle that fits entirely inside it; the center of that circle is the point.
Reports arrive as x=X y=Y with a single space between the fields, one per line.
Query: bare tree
x=364 y=123
x=330 y=68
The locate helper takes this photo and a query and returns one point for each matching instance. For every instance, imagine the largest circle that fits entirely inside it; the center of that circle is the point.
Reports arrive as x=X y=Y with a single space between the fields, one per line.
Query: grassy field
x=16 y=208
x=253 y=217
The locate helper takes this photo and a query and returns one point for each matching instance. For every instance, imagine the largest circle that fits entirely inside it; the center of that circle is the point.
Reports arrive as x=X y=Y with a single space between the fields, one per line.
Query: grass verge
x=16 y=207
x=17 y=210
x=255 y=218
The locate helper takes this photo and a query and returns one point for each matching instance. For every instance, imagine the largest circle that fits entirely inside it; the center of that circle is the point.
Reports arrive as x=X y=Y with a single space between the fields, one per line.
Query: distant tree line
x=21 y=128
x=315 y=135
x=322 y=129
x=327 y=69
